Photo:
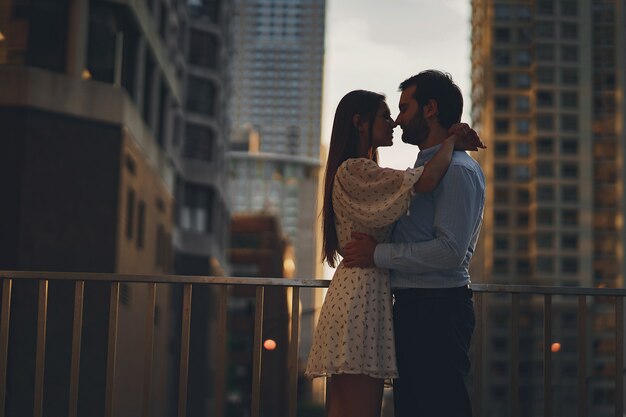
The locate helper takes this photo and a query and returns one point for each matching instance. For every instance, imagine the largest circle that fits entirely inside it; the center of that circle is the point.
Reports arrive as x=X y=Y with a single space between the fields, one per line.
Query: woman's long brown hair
x=344 y=144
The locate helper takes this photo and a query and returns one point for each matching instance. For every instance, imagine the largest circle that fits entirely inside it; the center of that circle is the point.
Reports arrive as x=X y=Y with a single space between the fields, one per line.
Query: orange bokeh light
x=555 y=347
x=269 y=344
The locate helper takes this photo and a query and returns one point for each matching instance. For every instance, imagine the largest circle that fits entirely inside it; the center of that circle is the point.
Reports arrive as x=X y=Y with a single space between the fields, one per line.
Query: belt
x=408 y=293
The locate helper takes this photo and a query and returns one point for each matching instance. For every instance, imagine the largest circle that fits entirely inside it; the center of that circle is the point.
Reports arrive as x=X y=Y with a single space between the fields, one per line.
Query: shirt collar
x=426 y=154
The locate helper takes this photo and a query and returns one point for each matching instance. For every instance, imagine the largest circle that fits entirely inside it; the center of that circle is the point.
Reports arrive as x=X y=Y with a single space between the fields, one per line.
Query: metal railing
x=188 y=282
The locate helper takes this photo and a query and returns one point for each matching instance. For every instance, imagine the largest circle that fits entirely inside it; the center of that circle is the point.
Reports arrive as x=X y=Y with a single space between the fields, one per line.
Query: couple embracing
x=407 y=235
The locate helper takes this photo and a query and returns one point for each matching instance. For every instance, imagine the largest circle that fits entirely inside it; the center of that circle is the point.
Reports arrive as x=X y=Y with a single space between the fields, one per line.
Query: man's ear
x=431 y=109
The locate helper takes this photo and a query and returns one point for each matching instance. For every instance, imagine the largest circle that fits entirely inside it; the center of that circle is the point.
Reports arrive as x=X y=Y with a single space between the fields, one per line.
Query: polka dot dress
x=354 y=333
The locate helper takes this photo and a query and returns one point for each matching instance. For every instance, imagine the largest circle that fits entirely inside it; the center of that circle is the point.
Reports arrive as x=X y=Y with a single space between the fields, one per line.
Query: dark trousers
x=433 y=330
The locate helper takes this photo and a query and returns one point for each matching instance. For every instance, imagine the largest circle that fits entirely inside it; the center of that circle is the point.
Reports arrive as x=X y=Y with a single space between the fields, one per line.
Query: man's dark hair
x=438 y=86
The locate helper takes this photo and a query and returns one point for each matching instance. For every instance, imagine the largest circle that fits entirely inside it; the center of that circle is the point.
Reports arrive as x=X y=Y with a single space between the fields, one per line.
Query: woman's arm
x=435 y=169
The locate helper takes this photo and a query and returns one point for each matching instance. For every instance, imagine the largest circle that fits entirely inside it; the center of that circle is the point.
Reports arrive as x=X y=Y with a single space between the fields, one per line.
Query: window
x=569 y=147
x=503 y=80
x=501 y=218
x=545 y=75
x=196 y=213
x=522 y=266
x=569 y=76
x=502 y=58
x=569 y=8
x=545 y=193
x=503 y=12
x=569 y=30
x=569 y=53
x=522 y=172
x=522 y=242
x=545 y=216
x=569 y=170
x=502 y=125
x=569 y=193
x=202 y=49
x=523 y=196
x=198 y=142
x=545 y=98
x=501 y=195
x=545 y=52
x=523 y=12
x=522 y=58
x=141 y=223
x=130 y=210
x=522 y=149
x=545 y=7
x=569 y=122
x=545 y=240
x=502 y=103
x=522 y=103
x=569 y=217
x=545 y=145
x=522 y=80
x=522 y=126
x=502 y=148
x=569 y=241
x=569 y=265
x=524 y=35
x=545 y=264
x=522 y=219
x=501 y=171
x=569 y=99
x=544 y=29
x=502 y=34
x=545 y=170
x=201 y=95
x=545 y=122
x=501 y=242
x=501 y=265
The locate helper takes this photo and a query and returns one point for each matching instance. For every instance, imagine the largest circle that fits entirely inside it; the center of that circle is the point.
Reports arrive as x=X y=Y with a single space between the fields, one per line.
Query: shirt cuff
x=382 y=255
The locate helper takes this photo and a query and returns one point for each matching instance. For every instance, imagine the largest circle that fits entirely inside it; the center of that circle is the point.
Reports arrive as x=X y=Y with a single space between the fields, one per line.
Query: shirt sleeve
x=373 y=196
x=458 y=207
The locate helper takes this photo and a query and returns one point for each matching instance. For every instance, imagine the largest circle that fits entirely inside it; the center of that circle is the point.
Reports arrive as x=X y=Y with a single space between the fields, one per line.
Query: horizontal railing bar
x=166 y=279
x=283 y=282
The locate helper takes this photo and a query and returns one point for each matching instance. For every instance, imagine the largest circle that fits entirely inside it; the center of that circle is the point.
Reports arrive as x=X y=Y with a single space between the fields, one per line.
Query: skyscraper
x=547 y=94
x=277 y=68
x=277 y=88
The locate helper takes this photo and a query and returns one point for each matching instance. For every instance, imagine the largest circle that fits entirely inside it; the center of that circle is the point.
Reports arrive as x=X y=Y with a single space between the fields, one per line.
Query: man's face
x=411 y=118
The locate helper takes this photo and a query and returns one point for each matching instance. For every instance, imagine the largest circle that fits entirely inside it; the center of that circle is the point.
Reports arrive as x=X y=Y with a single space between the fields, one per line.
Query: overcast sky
x=374 y=45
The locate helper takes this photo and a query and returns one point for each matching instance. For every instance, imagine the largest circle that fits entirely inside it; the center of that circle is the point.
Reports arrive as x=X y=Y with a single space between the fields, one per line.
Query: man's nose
x=396 y=122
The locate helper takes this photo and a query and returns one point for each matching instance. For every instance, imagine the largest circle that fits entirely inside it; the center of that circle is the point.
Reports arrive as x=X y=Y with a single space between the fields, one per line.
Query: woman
x=354 y=340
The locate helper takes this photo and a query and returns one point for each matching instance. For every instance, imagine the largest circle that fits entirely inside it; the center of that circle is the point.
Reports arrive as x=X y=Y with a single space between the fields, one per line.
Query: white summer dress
x=354 y=334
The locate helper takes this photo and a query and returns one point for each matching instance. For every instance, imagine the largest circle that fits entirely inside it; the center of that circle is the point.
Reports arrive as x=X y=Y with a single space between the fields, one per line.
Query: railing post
x=582 y=355
x=257 y=352
x=547 y=355
x=515 y=354
x=184 y=352
x=478 y=355
x=7 y=285
x=619 y=356
x=40 y=357
x=222 y=340
x=292 y=390
x=148 y=348
x=79 y=290
x=114 y=304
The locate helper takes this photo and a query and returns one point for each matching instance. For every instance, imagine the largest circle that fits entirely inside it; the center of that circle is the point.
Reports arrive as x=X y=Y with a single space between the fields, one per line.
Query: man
x=429 y=257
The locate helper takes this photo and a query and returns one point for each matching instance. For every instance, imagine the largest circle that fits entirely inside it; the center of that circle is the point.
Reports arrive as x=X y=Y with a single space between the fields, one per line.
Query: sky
x=374 y=45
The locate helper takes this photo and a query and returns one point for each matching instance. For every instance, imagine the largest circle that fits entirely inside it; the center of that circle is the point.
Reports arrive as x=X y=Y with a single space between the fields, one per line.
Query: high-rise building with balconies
x=548 y=83
x=275 y=120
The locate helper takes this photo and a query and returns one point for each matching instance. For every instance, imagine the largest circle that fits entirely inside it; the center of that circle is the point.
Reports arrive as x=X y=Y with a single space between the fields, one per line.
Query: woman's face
x=382 y=133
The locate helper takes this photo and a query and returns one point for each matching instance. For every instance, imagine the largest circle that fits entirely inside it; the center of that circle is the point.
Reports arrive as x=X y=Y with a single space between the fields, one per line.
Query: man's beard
x=417 y=130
